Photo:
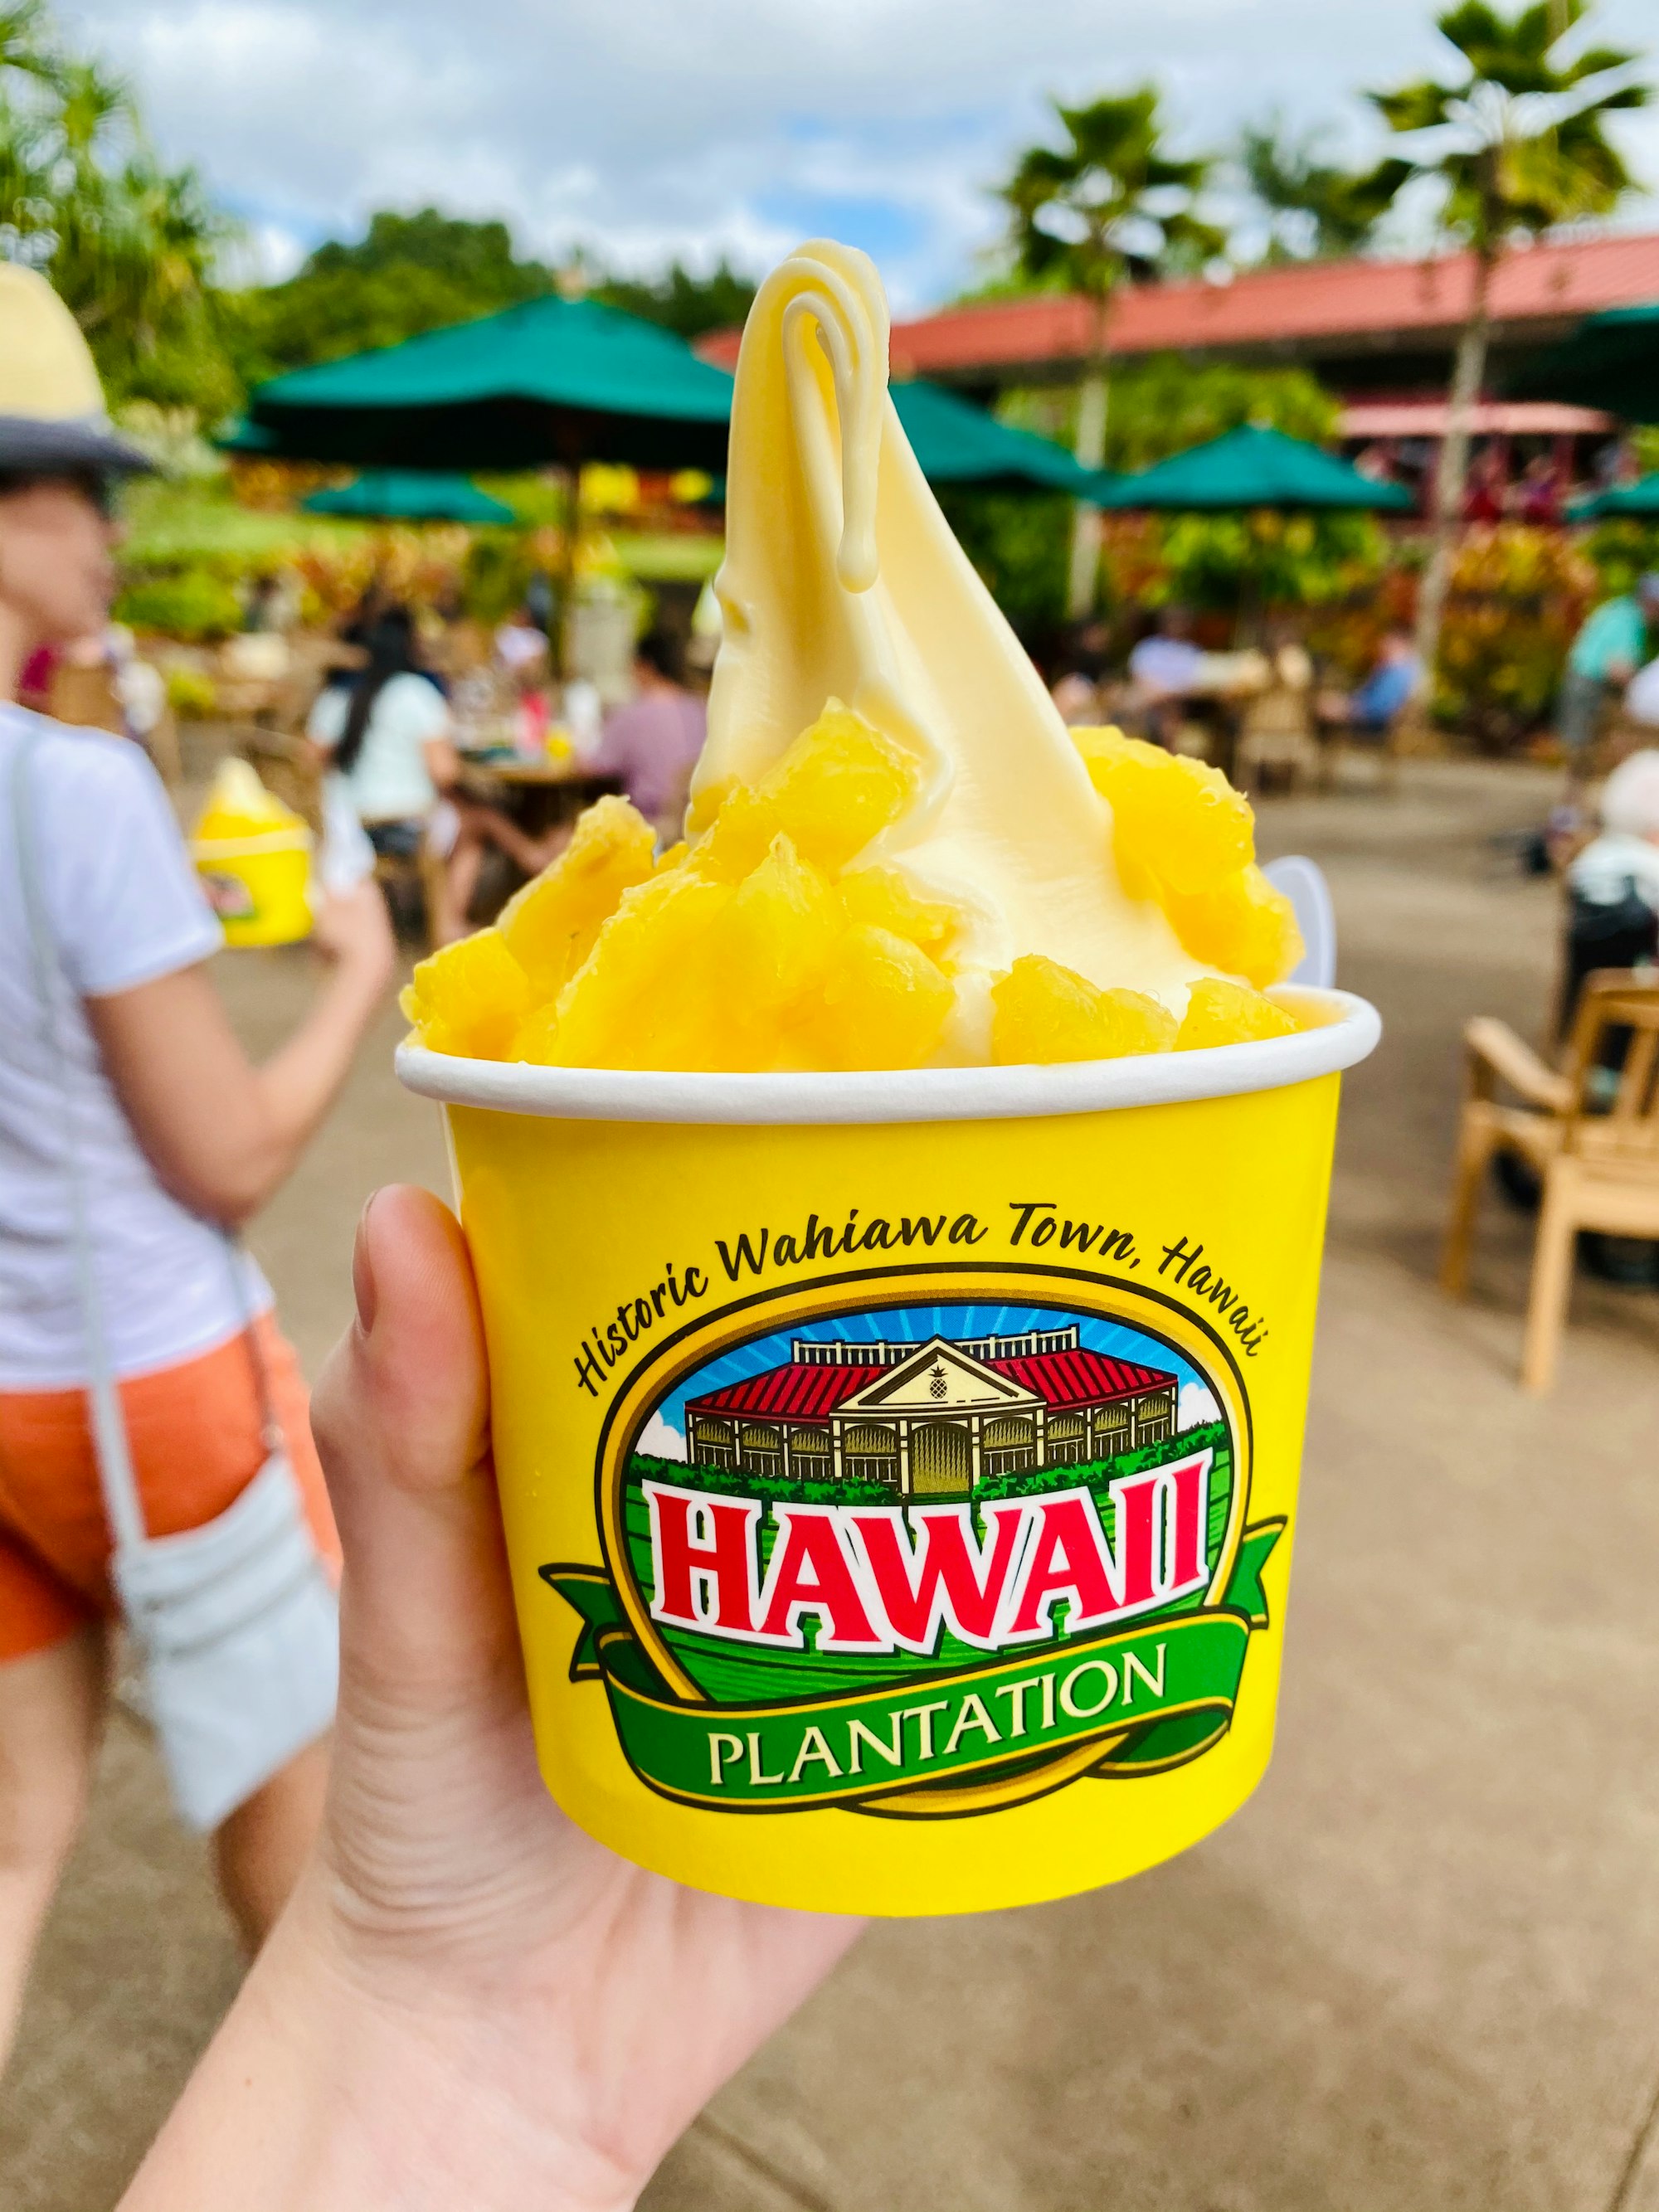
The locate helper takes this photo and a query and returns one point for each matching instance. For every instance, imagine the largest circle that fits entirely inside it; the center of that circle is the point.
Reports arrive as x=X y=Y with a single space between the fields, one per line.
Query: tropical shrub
x=193 y=604
x=1517 y=596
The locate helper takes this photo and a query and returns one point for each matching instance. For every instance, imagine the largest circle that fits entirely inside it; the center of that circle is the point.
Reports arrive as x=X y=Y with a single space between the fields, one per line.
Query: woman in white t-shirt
x=175 y=1138
x=386 y=737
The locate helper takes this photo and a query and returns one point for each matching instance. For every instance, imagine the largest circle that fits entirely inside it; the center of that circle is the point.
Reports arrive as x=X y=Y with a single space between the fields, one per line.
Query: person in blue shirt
x=1372 y=710
x=1609 y=648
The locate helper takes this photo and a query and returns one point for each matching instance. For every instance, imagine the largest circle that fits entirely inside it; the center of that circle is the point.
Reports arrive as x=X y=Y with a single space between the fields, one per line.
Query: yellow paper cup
x=898 y=1471
x=258 y=886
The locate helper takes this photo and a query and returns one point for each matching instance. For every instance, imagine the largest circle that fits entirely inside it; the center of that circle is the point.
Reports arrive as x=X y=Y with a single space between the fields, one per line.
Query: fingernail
x=362 y=1271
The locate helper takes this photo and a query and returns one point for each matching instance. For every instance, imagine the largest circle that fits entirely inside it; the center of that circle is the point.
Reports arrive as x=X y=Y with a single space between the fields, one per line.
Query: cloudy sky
x=643 y=128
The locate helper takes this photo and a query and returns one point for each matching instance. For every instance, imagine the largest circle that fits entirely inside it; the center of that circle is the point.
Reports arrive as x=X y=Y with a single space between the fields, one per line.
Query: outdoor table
x=536 y=793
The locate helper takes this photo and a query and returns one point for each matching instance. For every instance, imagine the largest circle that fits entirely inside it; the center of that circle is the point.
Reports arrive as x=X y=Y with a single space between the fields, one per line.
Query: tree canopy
x=1315 y=208
x=1513 y=139
x=1110 y=202
x=128 y=242
x=681 y=301
x=408 y=274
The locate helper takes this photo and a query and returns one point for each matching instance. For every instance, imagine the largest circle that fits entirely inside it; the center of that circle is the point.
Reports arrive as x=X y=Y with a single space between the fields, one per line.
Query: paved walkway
x=1416 y=1974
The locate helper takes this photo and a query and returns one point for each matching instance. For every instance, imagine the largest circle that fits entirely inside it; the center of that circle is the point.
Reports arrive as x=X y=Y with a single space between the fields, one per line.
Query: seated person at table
x=387 y=742
x=1373 y=711
x=652 y=742
x=1622 y=864
x=1164 y=670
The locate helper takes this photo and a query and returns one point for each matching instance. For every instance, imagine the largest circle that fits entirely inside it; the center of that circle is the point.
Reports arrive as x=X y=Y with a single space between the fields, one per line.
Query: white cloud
x=735 y=126
x=662 y=1439
x=1197 y=1404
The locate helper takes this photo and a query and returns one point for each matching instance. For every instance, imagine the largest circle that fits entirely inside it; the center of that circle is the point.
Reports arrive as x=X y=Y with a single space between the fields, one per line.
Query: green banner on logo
x=1153 y=1694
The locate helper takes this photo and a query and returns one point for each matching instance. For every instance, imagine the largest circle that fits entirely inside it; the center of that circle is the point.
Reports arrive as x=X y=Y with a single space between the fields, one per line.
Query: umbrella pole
x=564 y=613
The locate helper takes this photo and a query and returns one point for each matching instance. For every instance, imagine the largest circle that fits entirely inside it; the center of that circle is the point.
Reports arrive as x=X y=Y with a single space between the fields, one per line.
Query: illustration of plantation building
x=932 y=1419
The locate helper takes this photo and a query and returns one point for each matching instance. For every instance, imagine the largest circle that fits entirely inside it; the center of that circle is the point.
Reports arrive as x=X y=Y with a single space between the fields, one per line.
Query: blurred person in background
x=1372 y=710
x=386 y=740
x=1611 y=644
x=1620 y=866
x=176 y=1138
x=1165 y=670
x=521 y=643
x=652 y=742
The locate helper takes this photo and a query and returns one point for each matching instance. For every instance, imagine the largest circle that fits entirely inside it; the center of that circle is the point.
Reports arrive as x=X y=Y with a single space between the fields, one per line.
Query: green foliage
x=408 y=274
x=1019 y=545
x=1162 y=404
x=128 y=242
x=1219 y=561
x=194 y=604
x=736 y=1482
x=1159 y=406
x=1517 y=597
x=1623 y=548
x=1109 y=202
x=1097 y=1474
x=1315 y=208
x=681 y=301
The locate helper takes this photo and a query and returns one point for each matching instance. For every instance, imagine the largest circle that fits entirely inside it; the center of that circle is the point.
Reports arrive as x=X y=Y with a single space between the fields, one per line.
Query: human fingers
x=402 y=1421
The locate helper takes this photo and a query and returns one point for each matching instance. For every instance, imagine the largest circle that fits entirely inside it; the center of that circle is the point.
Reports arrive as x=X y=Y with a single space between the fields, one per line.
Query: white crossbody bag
x=236 y=1623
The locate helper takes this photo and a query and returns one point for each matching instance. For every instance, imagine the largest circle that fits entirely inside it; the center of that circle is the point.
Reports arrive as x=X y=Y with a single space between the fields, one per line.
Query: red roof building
x=933 y=1418
x=1365 y=325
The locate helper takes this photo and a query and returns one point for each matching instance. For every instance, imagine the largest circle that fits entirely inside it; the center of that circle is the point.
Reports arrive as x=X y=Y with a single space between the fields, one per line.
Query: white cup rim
x=1348 y=1036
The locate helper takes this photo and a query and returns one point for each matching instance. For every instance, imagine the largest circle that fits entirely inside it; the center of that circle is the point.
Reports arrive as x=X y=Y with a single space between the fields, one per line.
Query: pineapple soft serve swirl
x=841 y=580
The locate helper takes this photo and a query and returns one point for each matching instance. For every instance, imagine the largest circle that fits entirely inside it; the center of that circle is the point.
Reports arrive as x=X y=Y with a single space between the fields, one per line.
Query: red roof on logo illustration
x=797 y=1392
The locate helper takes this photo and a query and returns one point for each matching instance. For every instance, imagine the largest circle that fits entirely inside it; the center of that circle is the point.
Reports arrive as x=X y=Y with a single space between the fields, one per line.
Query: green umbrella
x=409 y=495
x=1610 y=361
x=550 y=380
x=958 y=443
x=1252 y=467
x=1641 y=497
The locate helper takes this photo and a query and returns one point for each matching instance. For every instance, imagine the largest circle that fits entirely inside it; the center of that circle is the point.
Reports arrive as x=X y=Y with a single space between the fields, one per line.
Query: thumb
x=402 y=1422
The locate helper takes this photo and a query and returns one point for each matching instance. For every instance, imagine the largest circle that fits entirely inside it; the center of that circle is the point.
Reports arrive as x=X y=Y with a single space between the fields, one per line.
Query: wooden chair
x=1600 y=1169
x=1276 y=736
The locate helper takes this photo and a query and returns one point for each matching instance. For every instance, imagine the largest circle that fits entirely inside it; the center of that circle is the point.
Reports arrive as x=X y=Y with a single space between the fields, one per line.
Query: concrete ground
x=1415 y=1974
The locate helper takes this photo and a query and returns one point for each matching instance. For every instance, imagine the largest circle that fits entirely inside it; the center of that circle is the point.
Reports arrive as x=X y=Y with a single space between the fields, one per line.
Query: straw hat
x=52 y=405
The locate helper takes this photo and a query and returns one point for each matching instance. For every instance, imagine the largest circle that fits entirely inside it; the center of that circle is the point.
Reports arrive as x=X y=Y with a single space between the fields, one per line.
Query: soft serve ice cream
x=897 y=853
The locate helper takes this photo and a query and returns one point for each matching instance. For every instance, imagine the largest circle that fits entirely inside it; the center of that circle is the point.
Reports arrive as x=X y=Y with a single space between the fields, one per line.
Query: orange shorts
x=194 y=1433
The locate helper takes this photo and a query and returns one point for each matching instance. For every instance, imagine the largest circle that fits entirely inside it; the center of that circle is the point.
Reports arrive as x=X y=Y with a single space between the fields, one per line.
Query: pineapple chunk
x=778 y=931
x=882 y=1004
x=739 y=838
x=649 y=993
x=1243 y=925
x=1180 y=819
x=1220 y=1012
x=551 y=925
x=885 y=899
x=1043 y=1012
x=839 y=785
x=470 y=998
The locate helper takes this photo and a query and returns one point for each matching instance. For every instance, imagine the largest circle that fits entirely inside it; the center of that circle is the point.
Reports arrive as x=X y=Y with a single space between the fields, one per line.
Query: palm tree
x=1515 y=145
x=129 y=244
x=1316 y=210
x=1109 y=205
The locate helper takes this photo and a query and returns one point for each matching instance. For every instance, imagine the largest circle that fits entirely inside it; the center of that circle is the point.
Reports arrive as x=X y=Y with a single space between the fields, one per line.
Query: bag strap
x=116 y=1479
x=271 y=1428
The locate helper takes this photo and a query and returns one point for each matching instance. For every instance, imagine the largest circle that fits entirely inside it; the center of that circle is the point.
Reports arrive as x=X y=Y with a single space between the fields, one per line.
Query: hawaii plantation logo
x=927 y=1553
